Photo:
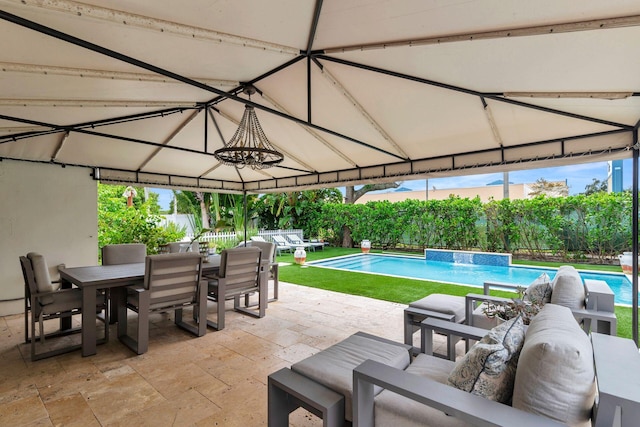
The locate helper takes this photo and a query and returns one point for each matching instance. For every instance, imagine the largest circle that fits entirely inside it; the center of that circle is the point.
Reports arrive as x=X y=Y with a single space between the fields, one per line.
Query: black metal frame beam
x=84 y=125
x=312 y=36
x=141 y=64
x=471 y=92
x=634 y=236
x=348 y=172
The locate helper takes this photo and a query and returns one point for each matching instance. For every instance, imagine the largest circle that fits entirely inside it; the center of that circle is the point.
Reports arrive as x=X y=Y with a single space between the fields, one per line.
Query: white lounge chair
x=294 y=240
x=281 y=244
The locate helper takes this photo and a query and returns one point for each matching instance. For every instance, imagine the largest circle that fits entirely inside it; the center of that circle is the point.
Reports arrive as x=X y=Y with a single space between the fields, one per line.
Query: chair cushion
x=446 y=304
x=568 y=289
x=41 y=273
x=391 y=409
x=489 y=368
x=539 y=291
x=555 y=376
x=334 y=366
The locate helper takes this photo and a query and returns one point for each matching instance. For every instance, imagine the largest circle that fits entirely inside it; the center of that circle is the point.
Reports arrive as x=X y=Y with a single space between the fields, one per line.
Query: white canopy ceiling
x=350 y=91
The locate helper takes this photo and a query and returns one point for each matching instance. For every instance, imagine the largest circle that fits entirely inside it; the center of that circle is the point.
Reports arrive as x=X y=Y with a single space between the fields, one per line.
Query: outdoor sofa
x=591 y=302
x=547 y=372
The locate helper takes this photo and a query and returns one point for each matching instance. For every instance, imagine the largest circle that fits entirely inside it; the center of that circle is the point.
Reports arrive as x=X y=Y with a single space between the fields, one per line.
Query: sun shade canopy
x=349 y=91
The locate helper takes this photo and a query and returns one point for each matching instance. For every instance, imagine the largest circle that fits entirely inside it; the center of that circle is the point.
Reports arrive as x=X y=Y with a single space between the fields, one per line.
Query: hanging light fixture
x=249 y=146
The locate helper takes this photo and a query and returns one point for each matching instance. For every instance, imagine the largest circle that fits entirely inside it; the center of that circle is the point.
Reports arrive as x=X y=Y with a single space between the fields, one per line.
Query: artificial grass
x=402 y=290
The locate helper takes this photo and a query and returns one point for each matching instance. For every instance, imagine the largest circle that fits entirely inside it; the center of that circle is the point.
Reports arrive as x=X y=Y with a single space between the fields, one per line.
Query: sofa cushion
x=555 y=376
x=489 y=368
x=334 y=366
x=445 y=304
x=391 y=409
x=539 y=291
x=568 y=289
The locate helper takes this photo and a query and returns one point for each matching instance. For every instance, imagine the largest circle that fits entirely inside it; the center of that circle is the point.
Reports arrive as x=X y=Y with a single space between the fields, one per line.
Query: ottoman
x=333 y=367
x=440 y=306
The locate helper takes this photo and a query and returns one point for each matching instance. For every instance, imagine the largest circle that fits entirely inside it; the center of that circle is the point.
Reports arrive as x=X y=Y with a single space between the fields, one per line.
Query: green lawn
x=403 y=290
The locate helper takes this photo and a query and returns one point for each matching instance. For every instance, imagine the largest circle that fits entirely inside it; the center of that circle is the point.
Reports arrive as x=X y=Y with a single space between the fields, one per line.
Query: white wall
x=181 y=220
x=47 y=209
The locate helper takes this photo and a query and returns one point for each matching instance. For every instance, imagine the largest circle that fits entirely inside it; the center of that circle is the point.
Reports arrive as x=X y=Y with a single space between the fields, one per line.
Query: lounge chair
x=46 y=300
x=171 y=282
x=296 y=241
x=281 y=244
x=239 y=275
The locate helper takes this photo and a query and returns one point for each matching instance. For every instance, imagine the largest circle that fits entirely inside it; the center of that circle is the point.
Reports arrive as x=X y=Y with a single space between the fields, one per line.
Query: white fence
x=233 y=238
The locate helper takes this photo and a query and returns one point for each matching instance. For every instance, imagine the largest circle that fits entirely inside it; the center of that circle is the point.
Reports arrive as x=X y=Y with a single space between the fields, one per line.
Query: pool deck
x=219 y=379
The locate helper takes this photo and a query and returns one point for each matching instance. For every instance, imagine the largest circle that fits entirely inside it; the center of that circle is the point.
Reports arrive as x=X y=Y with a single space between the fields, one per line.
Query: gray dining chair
x=268 y=262
x=171 y=282
x=46 y=300
x=116 y=254
x=125 y=253
x=176 y=247
x=239 y=274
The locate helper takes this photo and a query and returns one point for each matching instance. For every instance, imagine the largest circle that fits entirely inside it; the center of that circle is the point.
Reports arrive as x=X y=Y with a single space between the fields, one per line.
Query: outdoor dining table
x=92 y=278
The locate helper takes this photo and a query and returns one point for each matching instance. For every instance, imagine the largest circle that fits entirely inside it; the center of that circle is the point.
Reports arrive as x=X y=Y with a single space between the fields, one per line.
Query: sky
x=577 y=176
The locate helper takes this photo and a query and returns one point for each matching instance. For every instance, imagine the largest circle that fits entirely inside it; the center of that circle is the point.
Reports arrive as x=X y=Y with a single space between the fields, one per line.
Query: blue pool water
x=465 y=274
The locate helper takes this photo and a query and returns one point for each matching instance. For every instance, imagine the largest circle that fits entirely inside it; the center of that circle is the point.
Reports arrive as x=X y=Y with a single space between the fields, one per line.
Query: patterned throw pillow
x=539 y=291
x=489 y=368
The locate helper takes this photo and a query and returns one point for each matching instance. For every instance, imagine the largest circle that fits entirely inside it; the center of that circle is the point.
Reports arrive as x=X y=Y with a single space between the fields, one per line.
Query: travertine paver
x=219 y=379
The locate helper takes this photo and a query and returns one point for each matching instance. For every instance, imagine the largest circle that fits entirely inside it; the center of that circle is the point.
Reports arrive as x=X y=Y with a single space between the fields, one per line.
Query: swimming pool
x=462 y=274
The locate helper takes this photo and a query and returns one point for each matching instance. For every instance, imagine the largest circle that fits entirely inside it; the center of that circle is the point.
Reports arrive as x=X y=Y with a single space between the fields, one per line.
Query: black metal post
x=634 y=228
x=244 y=202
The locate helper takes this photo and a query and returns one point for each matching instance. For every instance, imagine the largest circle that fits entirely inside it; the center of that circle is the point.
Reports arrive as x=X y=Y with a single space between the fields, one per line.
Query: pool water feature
x=461 y=273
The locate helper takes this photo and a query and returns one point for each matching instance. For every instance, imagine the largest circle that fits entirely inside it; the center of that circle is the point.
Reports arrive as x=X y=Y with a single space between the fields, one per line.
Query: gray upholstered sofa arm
x=473 y=409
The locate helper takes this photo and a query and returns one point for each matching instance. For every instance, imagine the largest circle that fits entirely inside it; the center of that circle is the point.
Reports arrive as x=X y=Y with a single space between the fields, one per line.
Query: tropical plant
x=298 y=209
x=519 y=306
x=139 y=223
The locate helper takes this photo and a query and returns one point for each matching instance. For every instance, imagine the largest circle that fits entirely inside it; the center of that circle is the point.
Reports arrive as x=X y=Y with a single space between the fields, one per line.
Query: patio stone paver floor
x=216 y=380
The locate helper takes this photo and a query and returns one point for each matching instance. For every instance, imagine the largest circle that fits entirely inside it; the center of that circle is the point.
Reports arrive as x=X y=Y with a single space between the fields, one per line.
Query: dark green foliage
x=595 y=227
